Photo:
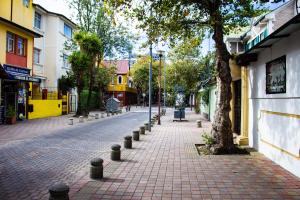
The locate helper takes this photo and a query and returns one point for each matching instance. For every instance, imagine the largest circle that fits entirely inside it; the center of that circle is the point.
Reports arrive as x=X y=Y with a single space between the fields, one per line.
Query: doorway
x=237 y=106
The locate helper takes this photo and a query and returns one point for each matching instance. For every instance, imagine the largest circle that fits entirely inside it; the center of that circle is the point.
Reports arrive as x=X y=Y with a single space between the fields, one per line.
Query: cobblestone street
x=165 y=165
x=29 y=164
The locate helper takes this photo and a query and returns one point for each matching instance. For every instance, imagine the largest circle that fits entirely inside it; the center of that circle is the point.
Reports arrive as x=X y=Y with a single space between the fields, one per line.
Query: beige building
x=50 y=59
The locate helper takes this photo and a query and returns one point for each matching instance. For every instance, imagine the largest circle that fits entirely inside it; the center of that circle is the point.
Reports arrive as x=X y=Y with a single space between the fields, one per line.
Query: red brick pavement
x=165 y=165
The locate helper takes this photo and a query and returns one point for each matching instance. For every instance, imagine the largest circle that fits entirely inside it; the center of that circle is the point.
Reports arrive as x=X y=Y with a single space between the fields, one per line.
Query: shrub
x=208 y=139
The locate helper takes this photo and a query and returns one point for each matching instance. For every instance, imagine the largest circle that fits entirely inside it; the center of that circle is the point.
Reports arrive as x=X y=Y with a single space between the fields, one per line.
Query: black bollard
x=136 y=135
x=128 y=142
x=96 y=169
x=116 y=152
x=59 y=191
x=146 y=126
x=142 y=130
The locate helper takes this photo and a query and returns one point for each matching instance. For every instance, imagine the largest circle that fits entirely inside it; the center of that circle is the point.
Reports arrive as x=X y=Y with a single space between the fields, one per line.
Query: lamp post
x=164 y=64
x=160 y=53
x=150 y=89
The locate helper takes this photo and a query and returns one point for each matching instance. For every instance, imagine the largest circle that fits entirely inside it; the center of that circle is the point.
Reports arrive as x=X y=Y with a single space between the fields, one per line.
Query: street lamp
x=160 y=53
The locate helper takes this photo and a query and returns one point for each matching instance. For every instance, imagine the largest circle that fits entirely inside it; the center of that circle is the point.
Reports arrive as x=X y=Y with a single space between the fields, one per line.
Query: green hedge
x=94 y=103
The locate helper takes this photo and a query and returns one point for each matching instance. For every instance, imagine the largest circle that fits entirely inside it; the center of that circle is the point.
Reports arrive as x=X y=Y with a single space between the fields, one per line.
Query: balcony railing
x=38 y=70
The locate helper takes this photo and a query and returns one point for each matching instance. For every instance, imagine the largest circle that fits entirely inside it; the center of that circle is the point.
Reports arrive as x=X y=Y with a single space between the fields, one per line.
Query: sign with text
x=276 y=76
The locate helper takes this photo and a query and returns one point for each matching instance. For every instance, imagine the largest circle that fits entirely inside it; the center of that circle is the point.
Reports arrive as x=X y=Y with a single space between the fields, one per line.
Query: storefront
x=16 y=90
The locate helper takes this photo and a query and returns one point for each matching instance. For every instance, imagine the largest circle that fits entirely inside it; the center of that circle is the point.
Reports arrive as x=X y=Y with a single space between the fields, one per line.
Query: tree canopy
x=179 y=19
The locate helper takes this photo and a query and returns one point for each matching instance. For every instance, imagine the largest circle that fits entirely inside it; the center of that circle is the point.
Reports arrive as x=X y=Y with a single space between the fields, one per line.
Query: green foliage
x=140 y=73
x=79 y=64
x=178 y=19
x=185 y=68
x=10 y=111
x=94 y=104
x=89 y=43
x=205 y=96
x=66 y=82
x=94 y=18
x=208 y=139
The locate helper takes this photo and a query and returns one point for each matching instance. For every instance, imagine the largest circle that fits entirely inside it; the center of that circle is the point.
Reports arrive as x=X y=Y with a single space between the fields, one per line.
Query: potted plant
x=10 y=115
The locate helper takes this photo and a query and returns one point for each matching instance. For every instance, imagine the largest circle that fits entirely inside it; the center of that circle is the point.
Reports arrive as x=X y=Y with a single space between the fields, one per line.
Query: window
x=36 y=55
x=112 y=80
x=67 y=31
x=65 y=61
x=26 y=3
x=119 y=79
x=10 y=42
x=21 y=46
x=37 y=20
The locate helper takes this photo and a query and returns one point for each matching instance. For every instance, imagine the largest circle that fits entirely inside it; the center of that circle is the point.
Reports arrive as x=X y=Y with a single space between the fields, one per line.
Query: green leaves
x=140 y=73
x=79 y=62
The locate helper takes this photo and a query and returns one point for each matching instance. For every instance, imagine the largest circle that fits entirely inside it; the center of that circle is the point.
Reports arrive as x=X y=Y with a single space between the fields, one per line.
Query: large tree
x=182 y=18
x=93 y=18
x=79 y=63
x=185 y=67
x=140 y=74
x=92 y=46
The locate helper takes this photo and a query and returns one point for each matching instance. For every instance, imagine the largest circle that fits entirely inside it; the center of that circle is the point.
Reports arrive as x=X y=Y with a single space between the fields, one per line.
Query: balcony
x=38 y=70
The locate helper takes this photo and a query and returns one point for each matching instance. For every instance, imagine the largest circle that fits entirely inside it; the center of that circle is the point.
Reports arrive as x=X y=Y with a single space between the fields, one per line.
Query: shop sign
x=16 y=70
x=22 y=74
x=27 y=78
x=276 y=76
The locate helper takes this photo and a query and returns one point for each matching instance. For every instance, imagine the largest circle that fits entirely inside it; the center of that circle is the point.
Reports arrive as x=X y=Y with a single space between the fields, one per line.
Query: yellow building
x=121 y=86
x=16 y=56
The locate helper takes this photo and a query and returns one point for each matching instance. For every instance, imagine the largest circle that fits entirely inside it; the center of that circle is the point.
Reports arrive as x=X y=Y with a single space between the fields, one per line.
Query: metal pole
x=164 y=63
x=159 y=89
x=150 y=87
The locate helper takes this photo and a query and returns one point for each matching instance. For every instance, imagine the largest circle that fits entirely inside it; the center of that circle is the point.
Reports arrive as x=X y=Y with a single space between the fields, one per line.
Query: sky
x=61 y=6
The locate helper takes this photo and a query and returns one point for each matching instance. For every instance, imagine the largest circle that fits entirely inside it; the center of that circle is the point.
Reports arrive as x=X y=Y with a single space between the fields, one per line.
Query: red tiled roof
x=122 y=65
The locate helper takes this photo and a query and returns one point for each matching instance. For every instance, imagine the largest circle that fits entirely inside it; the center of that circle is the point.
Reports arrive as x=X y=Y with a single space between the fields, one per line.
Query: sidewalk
x=165 y=165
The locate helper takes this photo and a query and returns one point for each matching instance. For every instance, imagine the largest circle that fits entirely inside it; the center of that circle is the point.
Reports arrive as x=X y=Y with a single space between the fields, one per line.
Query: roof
x=22 y=28
x=54 y=13
x=284 y=31
x=260 y=18
x=121 y=65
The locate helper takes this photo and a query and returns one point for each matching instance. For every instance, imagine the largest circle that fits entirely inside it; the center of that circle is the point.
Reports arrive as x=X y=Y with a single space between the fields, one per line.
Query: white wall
x=281 y=132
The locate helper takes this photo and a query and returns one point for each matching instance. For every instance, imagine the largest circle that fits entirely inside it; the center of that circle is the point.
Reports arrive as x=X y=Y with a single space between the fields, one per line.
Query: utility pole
x=159 y=86
x=164 y=64
x=150 y=88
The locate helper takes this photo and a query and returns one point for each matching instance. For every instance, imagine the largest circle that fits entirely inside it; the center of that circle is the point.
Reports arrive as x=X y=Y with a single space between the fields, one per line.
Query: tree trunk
x=101 y=105
x=221 y=128
x=79 y=90
x=91 y=84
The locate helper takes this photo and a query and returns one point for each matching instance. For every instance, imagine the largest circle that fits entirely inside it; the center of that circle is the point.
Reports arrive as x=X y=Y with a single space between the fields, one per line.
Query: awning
x=3 y=73
x=284 y=31
x=18 y=73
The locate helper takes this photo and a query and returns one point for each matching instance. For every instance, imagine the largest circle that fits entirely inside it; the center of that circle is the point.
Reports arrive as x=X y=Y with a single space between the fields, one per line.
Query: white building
x=274 y=86
x=50 y=58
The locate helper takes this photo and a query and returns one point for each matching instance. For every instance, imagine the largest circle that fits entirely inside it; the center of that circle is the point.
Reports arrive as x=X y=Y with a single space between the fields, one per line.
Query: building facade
x=265 y=86
x=271 y=63
x=50 y=62
x=121 y=86
x=16 y=57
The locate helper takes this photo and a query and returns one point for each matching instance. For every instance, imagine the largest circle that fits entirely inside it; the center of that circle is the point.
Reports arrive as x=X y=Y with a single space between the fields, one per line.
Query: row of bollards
x=91 y=117
x=60 y=191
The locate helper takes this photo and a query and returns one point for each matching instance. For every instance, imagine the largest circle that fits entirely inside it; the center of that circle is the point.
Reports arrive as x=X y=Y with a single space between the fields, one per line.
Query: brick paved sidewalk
x=165 y=165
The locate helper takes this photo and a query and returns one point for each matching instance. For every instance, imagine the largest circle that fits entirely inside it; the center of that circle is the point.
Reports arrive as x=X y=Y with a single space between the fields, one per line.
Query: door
x=72 y=103
x=237 y=107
